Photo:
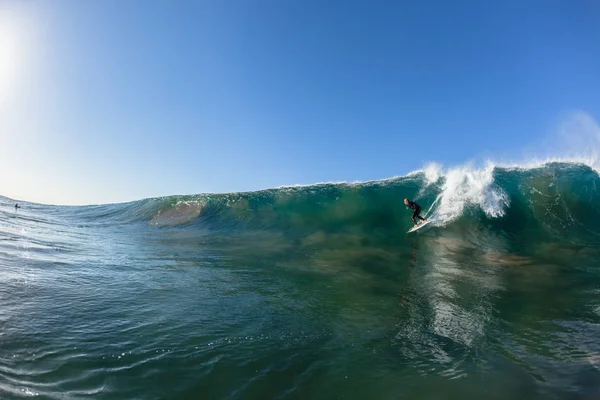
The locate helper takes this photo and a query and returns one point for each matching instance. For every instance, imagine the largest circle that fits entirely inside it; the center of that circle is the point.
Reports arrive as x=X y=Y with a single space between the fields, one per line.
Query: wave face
x=559 y=201
x=311 y=291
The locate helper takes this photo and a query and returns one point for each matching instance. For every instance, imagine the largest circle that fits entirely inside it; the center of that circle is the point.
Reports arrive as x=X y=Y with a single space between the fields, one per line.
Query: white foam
x=466 y=185
x=577 y=141
x=433 y=172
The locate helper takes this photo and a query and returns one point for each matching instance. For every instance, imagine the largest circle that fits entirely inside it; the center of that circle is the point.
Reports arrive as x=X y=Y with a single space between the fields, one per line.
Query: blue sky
x=105 y=101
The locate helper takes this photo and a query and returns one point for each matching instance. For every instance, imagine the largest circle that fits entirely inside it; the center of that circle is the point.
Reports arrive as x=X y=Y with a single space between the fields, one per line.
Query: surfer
x=17 y=206
x=416 y=212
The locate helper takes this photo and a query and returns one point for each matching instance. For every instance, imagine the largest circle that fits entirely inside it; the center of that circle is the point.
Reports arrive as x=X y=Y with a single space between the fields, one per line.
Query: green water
x=309 y=293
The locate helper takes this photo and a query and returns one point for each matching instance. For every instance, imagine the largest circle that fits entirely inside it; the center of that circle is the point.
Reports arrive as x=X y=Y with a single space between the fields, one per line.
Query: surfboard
x=416 y=228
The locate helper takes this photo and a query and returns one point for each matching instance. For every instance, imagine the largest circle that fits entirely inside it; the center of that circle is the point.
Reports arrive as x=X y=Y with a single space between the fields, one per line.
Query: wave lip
x=558 y=197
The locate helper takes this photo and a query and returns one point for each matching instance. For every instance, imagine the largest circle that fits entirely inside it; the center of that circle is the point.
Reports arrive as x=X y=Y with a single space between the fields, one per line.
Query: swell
x=117 y=312
x=558 y=200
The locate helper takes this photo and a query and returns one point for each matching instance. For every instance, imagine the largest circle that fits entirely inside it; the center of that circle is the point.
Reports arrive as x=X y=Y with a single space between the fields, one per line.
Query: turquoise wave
x=312 y=291
x=559 y=200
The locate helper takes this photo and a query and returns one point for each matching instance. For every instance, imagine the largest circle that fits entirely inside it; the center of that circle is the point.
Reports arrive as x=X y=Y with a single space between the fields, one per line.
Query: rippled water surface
x=312 y=292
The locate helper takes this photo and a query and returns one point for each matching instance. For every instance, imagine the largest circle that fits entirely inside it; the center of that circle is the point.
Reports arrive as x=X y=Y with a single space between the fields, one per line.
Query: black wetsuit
x=417 y=208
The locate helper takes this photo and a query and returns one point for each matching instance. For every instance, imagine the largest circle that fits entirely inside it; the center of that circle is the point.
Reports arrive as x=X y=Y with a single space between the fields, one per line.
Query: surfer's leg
x=415 y=215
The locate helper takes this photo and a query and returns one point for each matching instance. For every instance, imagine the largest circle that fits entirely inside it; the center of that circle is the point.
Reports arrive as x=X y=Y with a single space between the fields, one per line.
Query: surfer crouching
x=416 y=212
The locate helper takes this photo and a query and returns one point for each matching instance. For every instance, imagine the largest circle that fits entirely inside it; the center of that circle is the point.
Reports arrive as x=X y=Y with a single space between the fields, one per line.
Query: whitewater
x=312 y=291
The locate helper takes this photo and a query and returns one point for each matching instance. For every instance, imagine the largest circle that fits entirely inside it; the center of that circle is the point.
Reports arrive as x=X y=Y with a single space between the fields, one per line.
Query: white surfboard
x=416 y=228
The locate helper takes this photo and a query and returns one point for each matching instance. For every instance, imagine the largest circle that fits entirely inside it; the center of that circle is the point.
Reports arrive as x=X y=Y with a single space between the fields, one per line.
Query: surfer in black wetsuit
x=17 y=206
x=416 y=212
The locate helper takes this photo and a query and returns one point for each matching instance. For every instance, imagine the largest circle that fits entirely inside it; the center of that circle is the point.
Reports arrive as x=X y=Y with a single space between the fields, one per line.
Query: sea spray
x=311 y=292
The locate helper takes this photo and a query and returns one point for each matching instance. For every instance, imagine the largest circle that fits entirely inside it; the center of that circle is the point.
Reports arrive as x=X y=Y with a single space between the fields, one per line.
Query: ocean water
x=311 y=292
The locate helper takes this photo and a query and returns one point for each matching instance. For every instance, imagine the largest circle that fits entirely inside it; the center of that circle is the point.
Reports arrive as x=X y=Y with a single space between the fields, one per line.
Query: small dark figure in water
x=417 y=211
x=17 y=206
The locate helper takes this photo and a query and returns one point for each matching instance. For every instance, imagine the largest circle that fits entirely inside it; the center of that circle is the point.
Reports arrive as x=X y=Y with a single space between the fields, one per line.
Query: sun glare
x=13 y=47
